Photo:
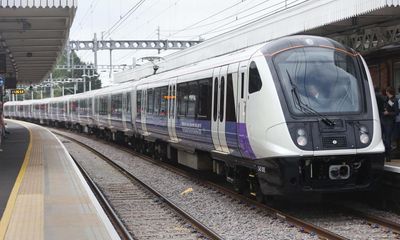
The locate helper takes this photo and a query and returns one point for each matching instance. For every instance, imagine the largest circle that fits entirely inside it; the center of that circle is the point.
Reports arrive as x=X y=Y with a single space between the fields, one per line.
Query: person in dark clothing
x=379 y=100
x=390 y=111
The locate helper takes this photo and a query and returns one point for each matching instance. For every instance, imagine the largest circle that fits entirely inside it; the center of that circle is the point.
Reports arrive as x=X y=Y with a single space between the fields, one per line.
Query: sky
x=176 y=19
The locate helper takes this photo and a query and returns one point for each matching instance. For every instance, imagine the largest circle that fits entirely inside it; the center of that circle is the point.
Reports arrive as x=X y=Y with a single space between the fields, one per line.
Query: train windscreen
x=318 y=79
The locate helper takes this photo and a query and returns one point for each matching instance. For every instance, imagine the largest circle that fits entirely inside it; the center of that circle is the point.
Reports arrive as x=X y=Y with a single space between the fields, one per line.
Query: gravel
x=341 y=223
x=229 y=218
x=143 y=214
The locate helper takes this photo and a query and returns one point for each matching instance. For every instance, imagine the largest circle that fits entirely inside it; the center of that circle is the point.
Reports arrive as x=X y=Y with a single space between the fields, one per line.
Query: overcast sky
x=177 y=19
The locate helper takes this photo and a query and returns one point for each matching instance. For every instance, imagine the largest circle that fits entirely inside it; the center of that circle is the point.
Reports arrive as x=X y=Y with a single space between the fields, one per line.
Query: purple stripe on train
x=244 y=143
x=198 y=132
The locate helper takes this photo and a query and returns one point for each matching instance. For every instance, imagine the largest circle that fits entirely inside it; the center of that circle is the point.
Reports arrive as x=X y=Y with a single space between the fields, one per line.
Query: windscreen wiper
x=304 y=107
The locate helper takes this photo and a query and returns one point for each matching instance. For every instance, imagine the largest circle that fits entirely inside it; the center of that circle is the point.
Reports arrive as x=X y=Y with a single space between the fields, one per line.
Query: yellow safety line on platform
x=5 y=219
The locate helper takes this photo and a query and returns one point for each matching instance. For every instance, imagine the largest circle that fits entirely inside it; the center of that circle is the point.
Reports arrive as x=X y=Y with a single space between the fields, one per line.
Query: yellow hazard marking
x=189 y=190
x=5 y=219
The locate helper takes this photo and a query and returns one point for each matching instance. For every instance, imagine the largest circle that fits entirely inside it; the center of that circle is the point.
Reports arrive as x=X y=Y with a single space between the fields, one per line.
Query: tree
x=75 y=73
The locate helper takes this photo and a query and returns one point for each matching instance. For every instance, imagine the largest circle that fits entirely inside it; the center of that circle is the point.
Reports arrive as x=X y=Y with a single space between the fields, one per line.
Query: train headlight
x=363 y=129
x=302 y=140
x=301 y=132
x=301 y=137
x=364 y=138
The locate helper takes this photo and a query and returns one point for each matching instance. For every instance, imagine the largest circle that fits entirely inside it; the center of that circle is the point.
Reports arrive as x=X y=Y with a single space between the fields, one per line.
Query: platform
x=47 y=197
x=393 y=166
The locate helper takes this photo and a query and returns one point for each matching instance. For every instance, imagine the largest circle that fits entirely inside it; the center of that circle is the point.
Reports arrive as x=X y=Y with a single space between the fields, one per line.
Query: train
x=296 y=114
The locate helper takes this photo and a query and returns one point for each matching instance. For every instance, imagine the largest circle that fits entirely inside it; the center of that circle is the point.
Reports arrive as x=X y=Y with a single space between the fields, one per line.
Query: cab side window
x=255 y=83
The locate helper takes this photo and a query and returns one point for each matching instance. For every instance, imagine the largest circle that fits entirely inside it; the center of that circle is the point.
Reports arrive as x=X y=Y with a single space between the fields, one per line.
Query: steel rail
x=304 y=226
x=196 y=223
x=120 y=227
x=372 y=219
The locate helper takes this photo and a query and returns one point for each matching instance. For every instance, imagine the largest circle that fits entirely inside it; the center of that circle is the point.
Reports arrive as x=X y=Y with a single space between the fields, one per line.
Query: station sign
x=17 y=91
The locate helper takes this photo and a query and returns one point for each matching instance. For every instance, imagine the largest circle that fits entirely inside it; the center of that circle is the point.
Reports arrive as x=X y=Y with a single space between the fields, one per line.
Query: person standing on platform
x=379 y=100
x=1 y=126
x=390 y=111
x=396 y=136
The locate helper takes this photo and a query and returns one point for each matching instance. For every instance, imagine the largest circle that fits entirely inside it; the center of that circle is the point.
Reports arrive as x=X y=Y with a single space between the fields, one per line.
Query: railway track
x=303 y=225
x=153 y=208
x=112 y=215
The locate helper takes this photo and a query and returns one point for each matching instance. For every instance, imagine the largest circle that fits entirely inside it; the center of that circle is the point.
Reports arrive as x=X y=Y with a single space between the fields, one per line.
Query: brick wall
x=381 y=74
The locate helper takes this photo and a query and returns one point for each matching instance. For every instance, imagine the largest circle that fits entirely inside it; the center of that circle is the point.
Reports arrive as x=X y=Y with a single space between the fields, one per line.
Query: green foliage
x=68 y=87
x=74 y=73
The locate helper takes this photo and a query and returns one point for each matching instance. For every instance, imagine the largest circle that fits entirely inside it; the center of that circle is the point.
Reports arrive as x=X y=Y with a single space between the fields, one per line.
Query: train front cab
x=306 y=146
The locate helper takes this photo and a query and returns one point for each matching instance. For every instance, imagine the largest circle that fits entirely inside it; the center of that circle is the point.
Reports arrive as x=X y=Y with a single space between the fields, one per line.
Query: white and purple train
x=297 y=114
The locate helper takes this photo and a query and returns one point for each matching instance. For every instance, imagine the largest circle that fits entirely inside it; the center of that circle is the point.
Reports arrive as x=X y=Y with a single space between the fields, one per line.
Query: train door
x=241 y=106
x=97 y=110
x=134 y=107
x=242 y=92
x=172 y=109
x=218 y=109
x=124 y=110
x=109 y=122
x=79 y=103
x=143 y=112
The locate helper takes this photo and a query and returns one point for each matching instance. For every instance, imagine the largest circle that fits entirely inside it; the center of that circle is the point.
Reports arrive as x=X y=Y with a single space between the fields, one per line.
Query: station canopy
x=365 y=25
x=33 y=34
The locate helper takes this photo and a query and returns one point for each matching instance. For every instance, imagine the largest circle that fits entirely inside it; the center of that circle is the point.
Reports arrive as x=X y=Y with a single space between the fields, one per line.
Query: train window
x=59 y=107
x=163 y=104
x=157 y=100
x=191 y=99
x=230 y=100
x=116 y=105
x=96 y=105
x=53 y=108
x=103 y=105
x=128 y=102
x=101 y=110
x=242 y=87
x=100 y=106
x=138 y=102
x=222 y=99
x=72 y=107
x=255 y=83
x=90 y=105
x=345 y=62
x=182 y=99
x=204 y=100
x=150 y=101
x=215 y=98
x=81 y=106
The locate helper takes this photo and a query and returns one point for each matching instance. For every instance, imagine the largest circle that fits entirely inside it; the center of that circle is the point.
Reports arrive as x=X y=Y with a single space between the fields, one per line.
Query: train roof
x=209 y=64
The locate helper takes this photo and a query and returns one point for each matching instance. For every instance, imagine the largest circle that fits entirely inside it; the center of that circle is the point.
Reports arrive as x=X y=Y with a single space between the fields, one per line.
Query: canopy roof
x=33 y=34
x=350 y=22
